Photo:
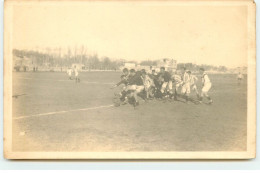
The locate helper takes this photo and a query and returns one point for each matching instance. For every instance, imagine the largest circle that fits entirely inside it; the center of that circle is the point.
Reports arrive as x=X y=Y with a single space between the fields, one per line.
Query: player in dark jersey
x=124 y=78
x=135 y=85
x=123 y=81
x=166 y=87
x=157 y=80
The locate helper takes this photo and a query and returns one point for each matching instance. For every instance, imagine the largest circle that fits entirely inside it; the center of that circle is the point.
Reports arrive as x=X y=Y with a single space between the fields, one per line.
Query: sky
x=214 y=35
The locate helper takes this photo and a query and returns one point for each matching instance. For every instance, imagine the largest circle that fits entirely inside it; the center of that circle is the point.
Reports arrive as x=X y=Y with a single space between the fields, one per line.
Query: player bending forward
x=123 y=81
x=206 y=85
x=193 y=81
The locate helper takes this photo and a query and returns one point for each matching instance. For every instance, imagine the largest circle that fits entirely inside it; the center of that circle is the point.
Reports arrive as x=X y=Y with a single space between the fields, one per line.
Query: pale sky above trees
x=214 y=35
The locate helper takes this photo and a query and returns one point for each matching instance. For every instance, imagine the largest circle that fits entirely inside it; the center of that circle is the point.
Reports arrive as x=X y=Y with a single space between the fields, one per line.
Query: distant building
x=78 y=66
x=169 y=64
x=146 y=67
x=128 y=65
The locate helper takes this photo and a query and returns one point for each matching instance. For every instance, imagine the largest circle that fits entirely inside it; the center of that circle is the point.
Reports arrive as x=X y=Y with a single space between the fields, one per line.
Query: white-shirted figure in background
x=206 y=85
x=239 y=77
x=76 y=73
x=69 y=72
x=193 y=85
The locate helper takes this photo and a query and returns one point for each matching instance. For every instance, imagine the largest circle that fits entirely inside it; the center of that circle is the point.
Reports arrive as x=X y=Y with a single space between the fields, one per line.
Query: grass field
x=56 y=114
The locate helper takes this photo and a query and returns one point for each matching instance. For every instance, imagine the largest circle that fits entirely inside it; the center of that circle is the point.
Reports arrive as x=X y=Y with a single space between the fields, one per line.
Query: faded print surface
x=54 y=113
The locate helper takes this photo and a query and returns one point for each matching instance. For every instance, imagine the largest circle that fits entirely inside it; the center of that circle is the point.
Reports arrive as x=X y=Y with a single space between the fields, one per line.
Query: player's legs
x=127 y=91
x=187 y=92
x=77 y=79
x=146 y=89
x=194 y=88
x=123 y=94
x=176 y=90
x=204 y=92
x=138 y=89
x=183 y=92
x=164 y=85
x=169 y=88
x=183 y=89
x=207 y=96
x=151 y=91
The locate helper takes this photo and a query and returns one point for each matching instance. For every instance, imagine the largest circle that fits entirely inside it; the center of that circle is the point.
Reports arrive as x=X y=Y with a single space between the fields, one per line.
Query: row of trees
x=195 y=67
x=190 y=66
x=93 y=61
x=54 y=60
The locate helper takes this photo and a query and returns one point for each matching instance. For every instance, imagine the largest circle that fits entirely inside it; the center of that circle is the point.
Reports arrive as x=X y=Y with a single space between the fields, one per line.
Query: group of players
x=162 y=85
x=74 y=71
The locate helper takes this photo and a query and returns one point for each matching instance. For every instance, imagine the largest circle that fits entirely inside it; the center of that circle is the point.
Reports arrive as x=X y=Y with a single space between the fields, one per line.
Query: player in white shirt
x=206 y=85
x=69 y=72
x=193 y=85
x=148 y=85
x=185 y=90
x=177 y=82
x=76 y=73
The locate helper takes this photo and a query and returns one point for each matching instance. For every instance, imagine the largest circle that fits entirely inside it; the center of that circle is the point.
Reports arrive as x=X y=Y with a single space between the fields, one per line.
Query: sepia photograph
x=129 y=79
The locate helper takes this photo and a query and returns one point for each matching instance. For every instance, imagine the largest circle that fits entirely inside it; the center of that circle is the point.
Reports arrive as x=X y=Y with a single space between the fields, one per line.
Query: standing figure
x=206 y=85
x=148 y=85
x=185 y=90
x=239 y=78
x=193 y=85
x=76 y=73
x=178 y=83
x=69 y=72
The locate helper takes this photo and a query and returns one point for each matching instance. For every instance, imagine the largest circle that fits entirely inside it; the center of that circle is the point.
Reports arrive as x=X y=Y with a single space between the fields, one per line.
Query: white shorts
x=206 y=88
x=166 y=85
x=137 y=88
x=185 y=89
x=194 y=87
x=147 y=87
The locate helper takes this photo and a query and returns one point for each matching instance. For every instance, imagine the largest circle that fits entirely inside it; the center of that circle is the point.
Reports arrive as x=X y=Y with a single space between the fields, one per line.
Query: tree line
x=195 y=67
x=93 y=62
x=56 y=60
